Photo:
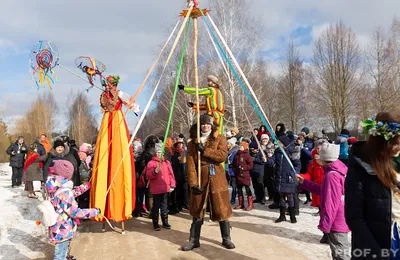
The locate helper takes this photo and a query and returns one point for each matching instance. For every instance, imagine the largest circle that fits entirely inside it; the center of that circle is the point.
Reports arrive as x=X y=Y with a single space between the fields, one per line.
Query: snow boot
x=274 y=206
x=164 y=219
x=226 y=234
x=194 y=239
x=292 y=215
x=324 y=239
x=241 y=203
x=156 y=226
x=250 y=203
x=282 y=216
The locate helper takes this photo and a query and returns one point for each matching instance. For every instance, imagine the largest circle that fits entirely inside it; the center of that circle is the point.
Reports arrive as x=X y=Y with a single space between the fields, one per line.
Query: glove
x=197 y=190
x=181 y=87
x=190 y=104
x=200 y=147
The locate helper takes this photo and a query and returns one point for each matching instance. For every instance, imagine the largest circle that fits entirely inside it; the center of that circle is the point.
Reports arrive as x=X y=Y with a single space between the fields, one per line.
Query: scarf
x=32 y=156
x=204 y=137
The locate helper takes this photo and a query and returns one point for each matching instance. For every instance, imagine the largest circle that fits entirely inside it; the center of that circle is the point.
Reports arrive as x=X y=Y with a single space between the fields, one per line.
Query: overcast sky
x=126 y=35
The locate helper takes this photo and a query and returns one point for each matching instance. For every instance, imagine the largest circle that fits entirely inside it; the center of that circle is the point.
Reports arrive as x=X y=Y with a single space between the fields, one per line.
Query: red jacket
x=242 y=164
x=315 y=173
x=163 y=181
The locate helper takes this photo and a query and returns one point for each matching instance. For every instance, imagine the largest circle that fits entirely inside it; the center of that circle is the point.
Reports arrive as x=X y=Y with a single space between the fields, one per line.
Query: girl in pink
x=162 y=182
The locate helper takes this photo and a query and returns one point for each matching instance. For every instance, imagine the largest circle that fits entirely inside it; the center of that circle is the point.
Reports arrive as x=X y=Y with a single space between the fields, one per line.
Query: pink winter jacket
x=332 y=197
x=163 y=181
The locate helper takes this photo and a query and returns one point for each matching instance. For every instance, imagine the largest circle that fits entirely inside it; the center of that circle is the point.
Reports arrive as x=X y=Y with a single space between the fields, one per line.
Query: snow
x=20 y=238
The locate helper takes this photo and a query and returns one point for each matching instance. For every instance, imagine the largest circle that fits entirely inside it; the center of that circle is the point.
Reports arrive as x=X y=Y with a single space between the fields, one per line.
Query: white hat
x=329 y=152
x=228 y=134
x=264 y=136
x=232 y=141
x=214 y=79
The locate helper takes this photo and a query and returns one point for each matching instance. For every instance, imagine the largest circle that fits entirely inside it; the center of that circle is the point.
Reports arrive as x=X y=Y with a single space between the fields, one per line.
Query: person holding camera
x=17 y=152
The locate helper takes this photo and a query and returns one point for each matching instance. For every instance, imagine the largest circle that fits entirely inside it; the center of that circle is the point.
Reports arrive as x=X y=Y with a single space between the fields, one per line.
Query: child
x=162 y=181
x=62 y=198
x=242 y=164
x=332 y=220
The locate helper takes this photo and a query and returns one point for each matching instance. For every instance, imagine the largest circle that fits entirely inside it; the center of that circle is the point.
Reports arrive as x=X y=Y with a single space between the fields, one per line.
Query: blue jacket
x=285 y=177
x=259 y=165
x=229 y=160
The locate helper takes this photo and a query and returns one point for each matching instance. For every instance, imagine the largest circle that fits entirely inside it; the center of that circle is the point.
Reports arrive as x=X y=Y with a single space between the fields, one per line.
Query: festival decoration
x=42 y=60
x=91 y=68
x=378 y=128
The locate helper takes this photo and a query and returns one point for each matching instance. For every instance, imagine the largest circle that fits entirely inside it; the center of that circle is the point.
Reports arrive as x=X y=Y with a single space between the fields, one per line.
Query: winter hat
x=63 y=168
x=245 y=145
x=235 y=130
x=318 y=135
x=20 y=137
x=352 y=140
x=206 y=119
x=320 y=142
x=214 y=79
x=137 y=147
x=285 y=140
x=345 y=132
x=264 y=136
x=290 y=134
x=58 y=143
x=228 y=134
x=158 y=147
x=305 y=130
x=329 y=152
x=232 y=141
x=301 y=138
x=253 y=145
x=84 y=148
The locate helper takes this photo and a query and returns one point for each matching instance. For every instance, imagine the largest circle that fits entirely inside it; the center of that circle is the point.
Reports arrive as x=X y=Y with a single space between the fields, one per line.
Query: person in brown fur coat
x=213 y=188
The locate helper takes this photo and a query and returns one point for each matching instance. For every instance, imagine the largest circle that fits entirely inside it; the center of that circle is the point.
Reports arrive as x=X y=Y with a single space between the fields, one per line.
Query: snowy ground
x=20 y=238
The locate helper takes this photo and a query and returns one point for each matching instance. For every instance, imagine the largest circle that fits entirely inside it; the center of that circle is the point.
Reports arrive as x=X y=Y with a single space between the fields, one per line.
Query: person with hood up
x=242 y=165
x=280 y=130
x=213 y=187
x=332 y=220
x=285 y=177
x=162 y=182
x=17 y=152
x=58 y=187
x=342 y=140
x=232 y=150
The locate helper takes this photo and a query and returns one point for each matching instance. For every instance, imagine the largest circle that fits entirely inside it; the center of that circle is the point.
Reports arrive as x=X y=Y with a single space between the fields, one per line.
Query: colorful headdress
x=111 y=79
x=388 y=130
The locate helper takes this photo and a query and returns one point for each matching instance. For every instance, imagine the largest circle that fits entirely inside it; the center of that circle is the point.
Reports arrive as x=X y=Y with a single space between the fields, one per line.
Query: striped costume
x=214 y=103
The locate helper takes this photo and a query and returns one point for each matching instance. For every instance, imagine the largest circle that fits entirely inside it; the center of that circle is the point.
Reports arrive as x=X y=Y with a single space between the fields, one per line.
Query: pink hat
x=84 y=148
x=63 y=168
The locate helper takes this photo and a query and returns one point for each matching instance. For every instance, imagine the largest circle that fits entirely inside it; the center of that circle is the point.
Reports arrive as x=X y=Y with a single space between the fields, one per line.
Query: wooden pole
x=196 y=85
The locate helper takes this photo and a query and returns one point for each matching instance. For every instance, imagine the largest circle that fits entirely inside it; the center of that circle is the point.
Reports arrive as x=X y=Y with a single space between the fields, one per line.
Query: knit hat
x=245 y=145
x=285 y=140
x=320 y=142
x=206 y=119
x=214 y=79
x=158 y=147
x=235 y=130
x=84 y=148
x=305 y=130
x=63 y=168
x=352 y=140
x=264 y=136
x=301 y=138
x=329 y=152
x=253 y=145
x=232 y=141
x=345 y=132
x=58 y=143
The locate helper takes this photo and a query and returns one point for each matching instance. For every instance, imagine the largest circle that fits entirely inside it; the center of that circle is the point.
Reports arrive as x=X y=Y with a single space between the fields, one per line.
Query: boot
x=273 y=206
x=250 y=203
x=226 y=234
x=164 y=219
x=194 y=239
x=292 y=215
x=156 y=226
x=241 y=203
x=282 y=216
x=324 y=239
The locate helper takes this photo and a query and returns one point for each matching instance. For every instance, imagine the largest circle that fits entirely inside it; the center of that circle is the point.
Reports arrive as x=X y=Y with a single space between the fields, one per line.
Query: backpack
x=344 y=151
x=48 y=213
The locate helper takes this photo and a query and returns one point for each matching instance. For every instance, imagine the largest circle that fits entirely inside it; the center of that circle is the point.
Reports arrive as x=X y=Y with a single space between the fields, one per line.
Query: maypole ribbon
x=246 y=91
x=148 y=104
x=178 y=76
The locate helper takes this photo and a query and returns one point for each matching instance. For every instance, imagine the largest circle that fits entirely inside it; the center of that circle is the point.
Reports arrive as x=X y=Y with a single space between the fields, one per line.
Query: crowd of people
x=340 y=174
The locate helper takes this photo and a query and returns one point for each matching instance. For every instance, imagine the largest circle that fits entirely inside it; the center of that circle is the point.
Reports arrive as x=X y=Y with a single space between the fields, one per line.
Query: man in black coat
x=17 y=152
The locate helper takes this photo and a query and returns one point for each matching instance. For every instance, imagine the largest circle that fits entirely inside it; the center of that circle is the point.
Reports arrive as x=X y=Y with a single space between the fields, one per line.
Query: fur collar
x=214 y=134
x=63 y=154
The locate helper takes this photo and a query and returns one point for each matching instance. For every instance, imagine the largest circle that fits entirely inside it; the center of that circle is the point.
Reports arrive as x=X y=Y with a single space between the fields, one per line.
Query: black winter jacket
x=18 y=159
x=259 y=165
x=368 y=210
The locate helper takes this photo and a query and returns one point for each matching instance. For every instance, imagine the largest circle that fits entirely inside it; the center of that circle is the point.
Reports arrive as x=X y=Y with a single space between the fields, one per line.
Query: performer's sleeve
x=202 y=91
x=127 y=99
x=203 y=107
x=191 y=166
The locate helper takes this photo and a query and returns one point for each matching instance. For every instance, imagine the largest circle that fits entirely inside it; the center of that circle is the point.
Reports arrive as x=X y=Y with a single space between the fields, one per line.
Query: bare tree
x=82 y=122
x=4 y=141
x=291 y=87
x=337 y=71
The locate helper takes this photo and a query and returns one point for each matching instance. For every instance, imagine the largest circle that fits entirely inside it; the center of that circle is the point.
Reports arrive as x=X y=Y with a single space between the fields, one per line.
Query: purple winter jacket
x=332 y=197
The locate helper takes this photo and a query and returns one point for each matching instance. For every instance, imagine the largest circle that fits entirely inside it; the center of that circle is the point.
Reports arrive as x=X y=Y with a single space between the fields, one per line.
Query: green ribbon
x=176 y=89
